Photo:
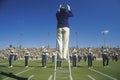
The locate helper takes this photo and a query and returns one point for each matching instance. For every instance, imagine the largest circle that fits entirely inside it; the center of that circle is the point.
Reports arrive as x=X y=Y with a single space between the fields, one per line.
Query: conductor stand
x=59 y=62
x=59 y=72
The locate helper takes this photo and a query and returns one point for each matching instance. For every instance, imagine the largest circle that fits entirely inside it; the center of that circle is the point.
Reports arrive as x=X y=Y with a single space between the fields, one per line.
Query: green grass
x=80 y=73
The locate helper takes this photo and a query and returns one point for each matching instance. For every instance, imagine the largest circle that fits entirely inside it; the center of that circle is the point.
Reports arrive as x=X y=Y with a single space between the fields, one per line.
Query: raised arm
x=59 y=7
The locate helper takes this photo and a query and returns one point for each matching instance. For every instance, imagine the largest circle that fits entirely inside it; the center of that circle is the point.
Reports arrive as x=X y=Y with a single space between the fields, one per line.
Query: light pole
x=48 y=39
x=105 y=32
x=21 y=34
x=76 y=39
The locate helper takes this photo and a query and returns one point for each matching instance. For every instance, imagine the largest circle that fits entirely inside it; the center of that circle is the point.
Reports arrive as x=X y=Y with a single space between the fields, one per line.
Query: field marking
x=91 y=77
x=104 y=74
x=30 y=77
x=18 y=73
x=50 y=77
x=24 y=71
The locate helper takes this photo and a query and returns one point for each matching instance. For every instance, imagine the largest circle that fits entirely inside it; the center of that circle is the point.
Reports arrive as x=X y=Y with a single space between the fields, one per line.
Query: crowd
x=75 y=54
x=35 y=53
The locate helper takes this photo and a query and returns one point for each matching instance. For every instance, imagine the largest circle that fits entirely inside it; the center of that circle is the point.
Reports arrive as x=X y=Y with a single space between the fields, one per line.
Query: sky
x=32 y=23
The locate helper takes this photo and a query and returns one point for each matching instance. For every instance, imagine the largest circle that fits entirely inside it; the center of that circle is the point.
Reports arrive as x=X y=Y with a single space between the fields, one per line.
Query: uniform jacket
x=62 y=18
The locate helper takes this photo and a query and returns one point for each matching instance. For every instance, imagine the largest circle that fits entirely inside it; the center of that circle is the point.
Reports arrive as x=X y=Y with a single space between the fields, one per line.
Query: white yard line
x=91 y=77
x=104 y=74
x=24 y=71
x=18 y=73
x=30 y=77
x=50 y=77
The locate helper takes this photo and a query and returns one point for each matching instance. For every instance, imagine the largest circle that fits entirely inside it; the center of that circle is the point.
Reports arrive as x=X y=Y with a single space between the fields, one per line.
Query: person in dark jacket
x=63 y=30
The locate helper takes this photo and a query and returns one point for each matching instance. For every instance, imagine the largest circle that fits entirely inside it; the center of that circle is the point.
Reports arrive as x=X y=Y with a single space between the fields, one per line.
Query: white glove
x=59 y=7
x=68 y=7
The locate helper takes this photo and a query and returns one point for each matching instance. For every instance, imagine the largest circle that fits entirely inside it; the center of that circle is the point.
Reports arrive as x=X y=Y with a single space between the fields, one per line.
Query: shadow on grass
x=11 y=75
x=3 y=66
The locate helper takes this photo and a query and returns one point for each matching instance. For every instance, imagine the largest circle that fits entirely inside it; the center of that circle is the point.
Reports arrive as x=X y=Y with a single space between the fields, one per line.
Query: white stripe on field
x=91 y=77
x=30 y=77
x=104 y=74
x=18 y=73
x=50 y=77
x=24 y=71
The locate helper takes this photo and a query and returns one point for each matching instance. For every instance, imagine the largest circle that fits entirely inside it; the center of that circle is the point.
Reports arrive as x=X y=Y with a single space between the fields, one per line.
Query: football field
x=36 y=72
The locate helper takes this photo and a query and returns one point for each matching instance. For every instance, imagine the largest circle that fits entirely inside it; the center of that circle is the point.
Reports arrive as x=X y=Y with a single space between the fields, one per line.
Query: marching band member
x=105 y=56
x=27 y=55
x=11 y=57
x=44 y=58
x=74 y=57
x=90 y=58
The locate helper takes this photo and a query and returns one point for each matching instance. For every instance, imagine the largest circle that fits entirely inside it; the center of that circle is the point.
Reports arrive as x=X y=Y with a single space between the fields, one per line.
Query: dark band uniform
x=105 y=57
x=27 y=54
x=74 y=57
x=44 y=58
x=11 y=57
x=90 y=59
